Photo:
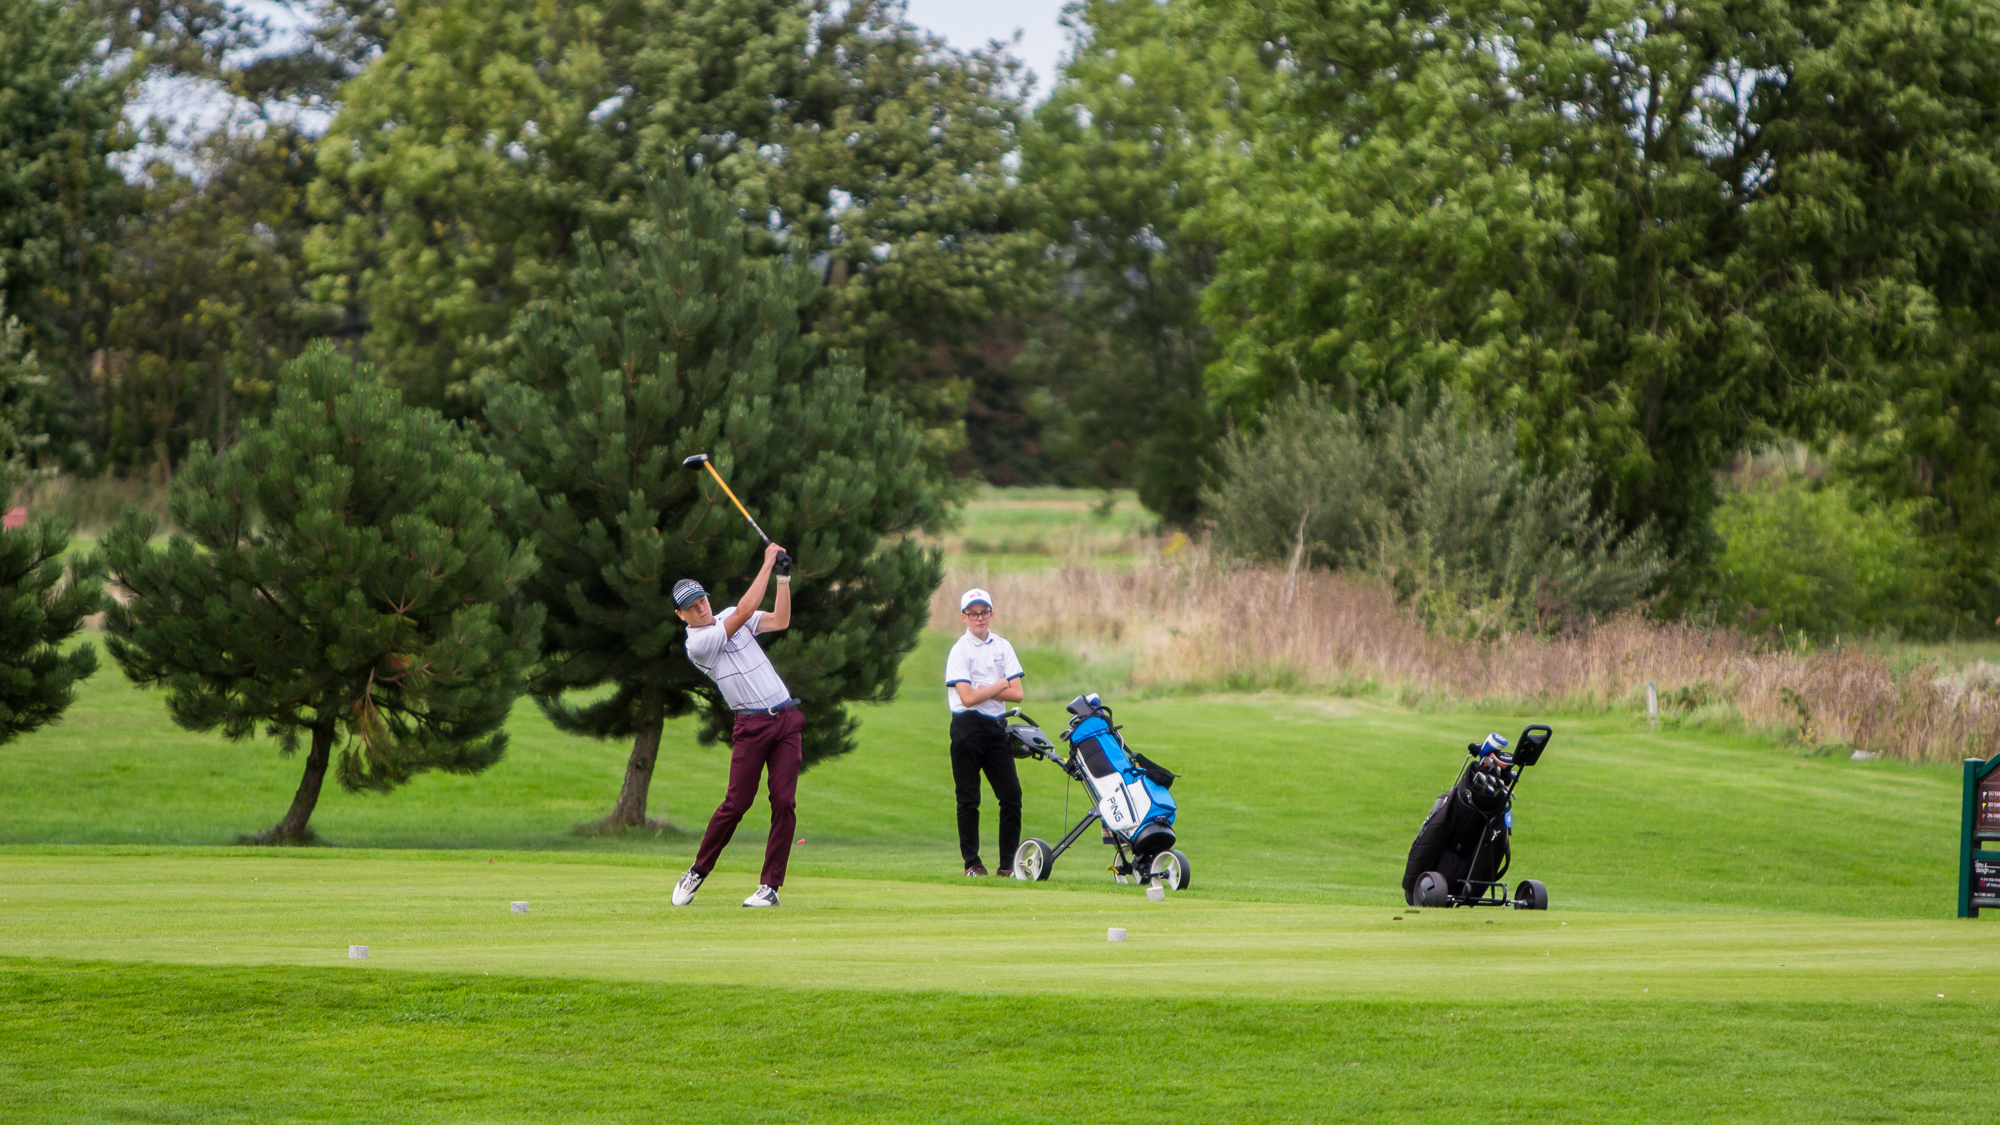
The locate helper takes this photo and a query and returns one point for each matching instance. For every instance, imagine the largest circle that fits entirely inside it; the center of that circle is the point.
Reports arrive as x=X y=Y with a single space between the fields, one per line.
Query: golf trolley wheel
x=1432 y=890
x=1531 y=895
x=1171 y=868
x=1032 y=861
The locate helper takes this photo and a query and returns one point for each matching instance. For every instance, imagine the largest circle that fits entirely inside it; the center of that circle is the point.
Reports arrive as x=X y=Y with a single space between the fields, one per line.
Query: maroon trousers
x=760 y=740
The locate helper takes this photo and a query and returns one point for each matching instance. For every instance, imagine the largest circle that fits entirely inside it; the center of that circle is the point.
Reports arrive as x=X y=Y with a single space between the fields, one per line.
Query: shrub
x=1442 y=507
x=1822 y=559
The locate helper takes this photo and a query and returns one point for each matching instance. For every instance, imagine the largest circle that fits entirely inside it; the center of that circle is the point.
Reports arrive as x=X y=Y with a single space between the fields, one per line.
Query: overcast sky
x=970 y=23
x=964 y=23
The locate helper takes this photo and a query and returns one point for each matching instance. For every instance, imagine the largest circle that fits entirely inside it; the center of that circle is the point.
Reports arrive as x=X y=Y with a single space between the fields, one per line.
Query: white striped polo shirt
x=738 y=665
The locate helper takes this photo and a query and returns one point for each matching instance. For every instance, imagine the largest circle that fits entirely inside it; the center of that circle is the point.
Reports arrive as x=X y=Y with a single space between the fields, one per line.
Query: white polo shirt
x=737 y=664
x=979 y=663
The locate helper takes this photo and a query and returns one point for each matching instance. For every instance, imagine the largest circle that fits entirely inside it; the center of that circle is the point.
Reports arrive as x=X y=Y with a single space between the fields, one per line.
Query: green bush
x=1443 y=507
x=1824 y=559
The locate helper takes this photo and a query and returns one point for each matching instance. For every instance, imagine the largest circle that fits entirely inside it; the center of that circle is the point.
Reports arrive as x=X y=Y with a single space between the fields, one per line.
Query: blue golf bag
x=1129 y=801
x=1129 y=795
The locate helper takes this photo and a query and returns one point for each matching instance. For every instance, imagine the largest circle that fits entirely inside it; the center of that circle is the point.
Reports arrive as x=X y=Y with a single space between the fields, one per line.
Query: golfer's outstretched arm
x=781 y=614
x=754 y=596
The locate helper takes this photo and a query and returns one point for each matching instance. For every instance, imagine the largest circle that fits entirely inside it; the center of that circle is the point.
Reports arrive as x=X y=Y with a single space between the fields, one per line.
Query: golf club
x=701 y=459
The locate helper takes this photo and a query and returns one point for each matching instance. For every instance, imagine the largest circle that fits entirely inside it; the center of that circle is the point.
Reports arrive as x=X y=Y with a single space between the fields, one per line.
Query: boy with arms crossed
x=981 y=676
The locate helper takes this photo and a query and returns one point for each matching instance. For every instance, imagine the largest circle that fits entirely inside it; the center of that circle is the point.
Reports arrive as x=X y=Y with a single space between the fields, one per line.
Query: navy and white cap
x=972 y=597
x=686 y=592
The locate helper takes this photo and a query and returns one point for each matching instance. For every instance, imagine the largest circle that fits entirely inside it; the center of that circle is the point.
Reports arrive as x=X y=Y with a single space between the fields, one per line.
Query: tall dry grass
x=93 y=503
x=1197 y=623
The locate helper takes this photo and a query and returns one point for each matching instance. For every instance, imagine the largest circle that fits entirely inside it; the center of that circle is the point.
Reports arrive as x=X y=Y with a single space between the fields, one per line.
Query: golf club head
x=695 y=462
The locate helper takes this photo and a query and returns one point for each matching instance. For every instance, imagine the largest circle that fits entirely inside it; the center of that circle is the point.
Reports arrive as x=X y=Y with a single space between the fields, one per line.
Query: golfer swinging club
x=768 y=720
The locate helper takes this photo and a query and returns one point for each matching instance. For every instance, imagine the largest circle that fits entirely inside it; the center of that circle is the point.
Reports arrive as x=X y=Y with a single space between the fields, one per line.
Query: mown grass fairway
x=450 y=913
x=1031 y=528
x=1739 y=934
x=95 y=1042
x=1286 y=799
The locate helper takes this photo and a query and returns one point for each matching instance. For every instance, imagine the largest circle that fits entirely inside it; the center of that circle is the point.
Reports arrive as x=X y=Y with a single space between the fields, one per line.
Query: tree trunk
x=631 y=809
x=1298 y=553
x=292 y=829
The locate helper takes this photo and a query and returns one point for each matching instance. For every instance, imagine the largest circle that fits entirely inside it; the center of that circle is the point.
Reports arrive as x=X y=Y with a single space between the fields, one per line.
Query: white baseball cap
x=972 y=596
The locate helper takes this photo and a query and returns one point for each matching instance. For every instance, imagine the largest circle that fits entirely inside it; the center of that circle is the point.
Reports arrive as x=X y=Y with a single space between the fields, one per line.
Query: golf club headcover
x=783 y=565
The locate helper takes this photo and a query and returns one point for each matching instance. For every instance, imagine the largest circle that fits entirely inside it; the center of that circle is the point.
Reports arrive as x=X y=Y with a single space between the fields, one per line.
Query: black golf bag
x=1459 y=839
x=1463 y=850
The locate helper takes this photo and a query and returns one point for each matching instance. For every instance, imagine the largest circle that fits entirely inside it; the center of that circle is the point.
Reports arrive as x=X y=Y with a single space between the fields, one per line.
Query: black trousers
x=979 y=744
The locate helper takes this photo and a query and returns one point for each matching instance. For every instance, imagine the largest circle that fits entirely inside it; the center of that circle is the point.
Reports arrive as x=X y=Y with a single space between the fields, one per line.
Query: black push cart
x=1463 y=851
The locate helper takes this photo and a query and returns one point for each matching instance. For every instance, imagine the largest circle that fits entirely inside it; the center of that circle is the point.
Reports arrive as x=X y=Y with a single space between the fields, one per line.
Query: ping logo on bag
x=1126 y=797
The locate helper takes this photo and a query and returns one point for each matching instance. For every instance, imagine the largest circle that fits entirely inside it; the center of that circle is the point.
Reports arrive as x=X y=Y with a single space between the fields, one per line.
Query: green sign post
x=1979 y=869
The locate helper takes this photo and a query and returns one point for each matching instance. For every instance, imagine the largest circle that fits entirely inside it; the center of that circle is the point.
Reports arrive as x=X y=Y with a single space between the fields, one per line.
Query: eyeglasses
x=987 y=612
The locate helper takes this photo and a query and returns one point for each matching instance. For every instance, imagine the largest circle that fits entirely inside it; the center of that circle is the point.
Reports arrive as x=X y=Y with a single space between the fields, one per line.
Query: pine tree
x=683 y=346
x=38 y=611
x=344 y=568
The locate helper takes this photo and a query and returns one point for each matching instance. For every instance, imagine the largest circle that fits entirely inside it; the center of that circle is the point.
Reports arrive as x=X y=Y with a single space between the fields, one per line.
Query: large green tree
x=1649 y=232
x=203 y=294
x=489 y=134
x=1931 y=439
x=1122 y=153
x=344 y=568
x=682 y=344
x=161 y=303
x=62 y=101
x=1905 y=115
x=208 y=299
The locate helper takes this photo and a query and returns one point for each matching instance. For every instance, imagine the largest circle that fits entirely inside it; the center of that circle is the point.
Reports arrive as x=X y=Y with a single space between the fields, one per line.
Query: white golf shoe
x=689 y=884
x=763 y=896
